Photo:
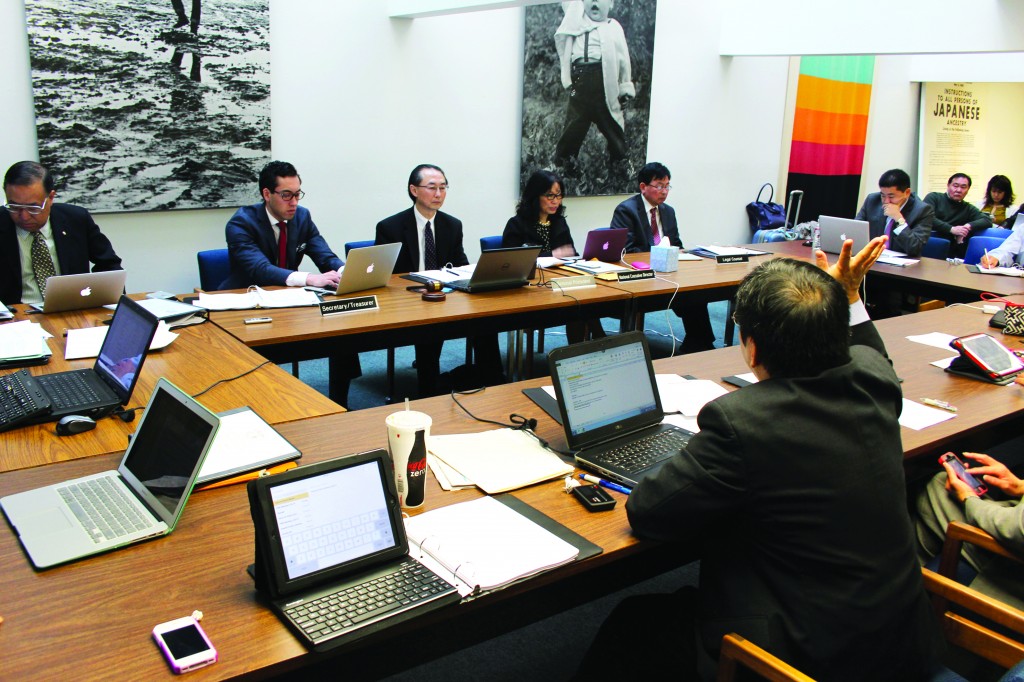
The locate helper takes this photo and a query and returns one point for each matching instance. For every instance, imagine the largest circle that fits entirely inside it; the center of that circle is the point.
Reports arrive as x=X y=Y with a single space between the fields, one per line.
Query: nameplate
x=726 y=260
x=634 y=275
x=349 y=305
x=574 y=282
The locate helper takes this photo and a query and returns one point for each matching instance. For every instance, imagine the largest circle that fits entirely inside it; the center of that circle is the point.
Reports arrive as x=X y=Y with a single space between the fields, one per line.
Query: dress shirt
x=297 y=278
x=647 y=210
x=592 y=42
x=29 y=289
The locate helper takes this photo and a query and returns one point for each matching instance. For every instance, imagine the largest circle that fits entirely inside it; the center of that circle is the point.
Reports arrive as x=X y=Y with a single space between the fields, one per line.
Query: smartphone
x=184 y=644
x=977 y=486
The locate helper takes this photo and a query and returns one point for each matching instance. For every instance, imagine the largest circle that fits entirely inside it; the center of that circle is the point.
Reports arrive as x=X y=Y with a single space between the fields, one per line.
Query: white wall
x=358 y=99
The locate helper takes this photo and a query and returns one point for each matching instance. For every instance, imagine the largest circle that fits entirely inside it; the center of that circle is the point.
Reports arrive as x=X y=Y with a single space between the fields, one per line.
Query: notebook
x=77 y=292
x=368 y=267
x=610 y=408
x=500 y=269
x=834 y=231
x=142 y=499
x=336 y=527
x=98 y=391
x=606 y=244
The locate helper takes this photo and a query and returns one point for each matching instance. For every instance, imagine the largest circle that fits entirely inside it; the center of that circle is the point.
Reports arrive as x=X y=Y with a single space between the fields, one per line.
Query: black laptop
x=500 y=269
x=98 y=391
x=610 y=407
x=331 y=551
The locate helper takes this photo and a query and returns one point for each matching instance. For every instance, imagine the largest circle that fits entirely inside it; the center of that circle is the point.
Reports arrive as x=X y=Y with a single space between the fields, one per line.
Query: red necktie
x=655 y=235
x=282 y=245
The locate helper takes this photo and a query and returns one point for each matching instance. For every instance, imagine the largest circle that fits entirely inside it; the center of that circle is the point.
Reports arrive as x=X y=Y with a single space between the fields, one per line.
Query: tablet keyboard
x=21 y=399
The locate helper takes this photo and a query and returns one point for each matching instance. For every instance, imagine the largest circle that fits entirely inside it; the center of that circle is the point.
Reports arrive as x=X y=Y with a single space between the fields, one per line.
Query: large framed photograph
x=587 y=69
x=151 y=104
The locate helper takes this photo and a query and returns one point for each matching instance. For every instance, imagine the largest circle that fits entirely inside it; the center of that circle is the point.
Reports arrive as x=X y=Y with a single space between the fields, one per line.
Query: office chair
x=214 y=268
x=738 y=651
x=358 y=245
x=1000 y=232
x=978 y=245
x=937 y=247
x=488 y=243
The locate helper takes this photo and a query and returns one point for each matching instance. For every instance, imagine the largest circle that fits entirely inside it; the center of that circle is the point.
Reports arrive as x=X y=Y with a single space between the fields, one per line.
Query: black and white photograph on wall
x=151 y=104
x=587 y=68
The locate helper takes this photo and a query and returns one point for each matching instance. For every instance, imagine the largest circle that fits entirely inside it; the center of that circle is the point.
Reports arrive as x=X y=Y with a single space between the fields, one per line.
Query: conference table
x=92 y=618
x=201 y=355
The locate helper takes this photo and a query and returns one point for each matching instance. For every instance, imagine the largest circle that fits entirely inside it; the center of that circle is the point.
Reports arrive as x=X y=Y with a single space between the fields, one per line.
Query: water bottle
x=816 y=239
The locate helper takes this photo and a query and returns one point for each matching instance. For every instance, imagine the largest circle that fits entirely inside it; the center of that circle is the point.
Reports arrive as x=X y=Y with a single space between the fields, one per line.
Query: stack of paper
x=87 y=341
x=499 y=460
x=22 y=343
x=292 y=297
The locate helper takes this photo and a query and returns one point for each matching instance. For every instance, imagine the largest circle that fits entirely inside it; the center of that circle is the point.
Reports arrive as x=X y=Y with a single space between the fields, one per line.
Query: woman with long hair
x=998 y=201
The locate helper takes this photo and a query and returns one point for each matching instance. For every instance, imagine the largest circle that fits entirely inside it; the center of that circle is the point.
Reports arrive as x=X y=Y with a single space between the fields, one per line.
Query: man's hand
x=849 y=271
x=995 y=474
x=961 y=232
x=324 y=279
x=955 y=485
x=988 y=261
x=892 y=211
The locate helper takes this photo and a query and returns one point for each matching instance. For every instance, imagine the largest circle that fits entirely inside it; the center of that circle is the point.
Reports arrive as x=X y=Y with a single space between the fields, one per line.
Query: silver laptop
x=142 y=499
x=77 y=292
x=610 y=407
x=368 y=267
x=500 y=269
x=834 y=231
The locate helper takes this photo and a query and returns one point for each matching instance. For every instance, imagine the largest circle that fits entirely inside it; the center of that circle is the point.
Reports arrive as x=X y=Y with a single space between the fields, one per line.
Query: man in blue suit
x=266 y=244
x=651 y=222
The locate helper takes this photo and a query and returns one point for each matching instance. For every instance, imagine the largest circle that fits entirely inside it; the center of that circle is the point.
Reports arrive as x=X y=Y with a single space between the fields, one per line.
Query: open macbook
x=142 y=499
x=606 y=244
x=610 y=407
x=834 y=231
x=368 y=267
x=77 y=292
x=500 y=269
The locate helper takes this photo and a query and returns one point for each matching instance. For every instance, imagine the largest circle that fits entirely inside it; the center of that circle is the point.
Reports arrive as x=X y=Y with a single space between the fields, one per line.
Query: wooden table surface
x=201 y=355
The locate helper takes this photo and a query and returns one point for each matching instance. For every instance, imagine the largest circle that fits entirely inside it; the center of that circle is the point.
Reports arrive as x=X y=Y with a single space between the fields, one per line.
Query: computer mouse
x=75 y=423
x=640 y=265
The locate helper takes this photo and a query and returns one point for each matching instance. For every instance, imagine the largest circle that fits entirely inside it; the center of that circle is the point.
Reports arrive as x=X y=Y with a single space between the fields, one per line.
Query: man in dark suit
x=266 y=244
x=793 y=496
x=430 y=240
x=897 y=212
x=652 y=222
x=39 y=238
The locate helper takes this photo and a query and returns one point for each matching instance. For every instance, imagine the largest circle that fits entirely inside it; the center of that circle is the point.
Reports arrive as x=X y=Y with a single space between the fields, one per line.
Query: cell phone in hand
x=960 y=468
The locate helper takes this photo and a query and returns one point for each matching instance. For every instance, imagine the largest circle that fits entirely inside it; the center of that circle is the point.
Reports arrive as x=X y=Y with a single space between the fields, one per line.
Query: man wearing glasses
x=431 y=240
x=956 y=219
x=40 y=239
x=652 y=222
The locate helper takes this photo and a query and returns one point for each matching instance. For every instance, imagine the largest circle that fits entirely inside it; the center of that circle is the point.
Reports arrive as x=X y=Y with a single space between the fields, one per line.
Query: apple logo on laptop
x=369 y=269
x=843 y=236
x=604 y=247
x=86 y=292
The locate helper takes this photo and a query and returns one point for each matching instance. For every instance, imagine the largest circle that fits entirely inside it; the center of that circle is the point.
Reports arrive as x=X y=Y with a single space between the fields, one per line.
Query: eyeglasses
x=31 y=209
x=660 y=188
x=288 y=196
x=551 y=197
x=435 y=188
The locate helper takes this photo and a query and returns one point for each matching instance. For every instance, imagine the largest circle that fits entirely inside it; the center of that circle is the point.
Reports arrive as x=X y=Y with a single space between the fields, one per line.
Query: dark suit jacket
x=919 y=217
x=631 y=214
x=401 y=227
x=793 y=495
x=253 y=250
x=78 y=242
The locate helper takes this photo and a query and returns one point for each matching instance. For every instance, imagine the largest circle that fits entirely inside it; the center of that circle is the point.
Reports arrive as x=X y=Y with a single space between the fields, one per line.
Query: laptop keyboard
x=409 y=585
x=103 y=509
x=20 y=399
x=647 y=451
x=69 y=390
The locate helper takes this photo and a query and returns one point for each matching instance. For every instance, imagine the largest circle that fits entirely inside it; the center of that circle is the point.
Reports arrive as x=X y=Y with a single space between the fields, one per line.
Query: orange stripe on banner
x=828 y=128
x=833 y=96
x=826 y=159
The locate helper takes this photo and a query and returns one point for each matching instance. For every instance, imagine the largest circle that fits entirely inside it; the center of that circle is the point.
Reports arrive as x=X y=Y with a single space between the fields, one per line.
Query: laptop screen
x=606 y=389
x=124 y=348
x=167 y=449
x=331 y=519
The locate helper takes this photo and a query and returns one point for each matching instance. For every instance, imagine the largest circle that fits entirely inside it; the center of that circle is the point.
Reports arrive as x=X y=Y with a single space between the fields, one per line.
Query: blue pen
x=607 y=484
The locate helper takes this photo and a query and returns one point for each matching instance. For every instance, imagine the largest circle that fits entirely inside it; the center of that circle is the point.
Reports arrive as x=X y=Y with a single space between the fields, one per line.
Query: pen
x=941 y=404
x=985 y=260
x=606 y=484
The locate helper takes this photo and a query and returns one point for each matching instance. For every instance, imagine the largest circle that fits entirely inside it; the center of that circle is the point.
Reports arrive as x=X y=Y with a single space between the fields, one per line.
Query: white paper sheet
x=23 y=340
x=87 y=341
x=934 y=339
x=499 y=460
x=917 y=416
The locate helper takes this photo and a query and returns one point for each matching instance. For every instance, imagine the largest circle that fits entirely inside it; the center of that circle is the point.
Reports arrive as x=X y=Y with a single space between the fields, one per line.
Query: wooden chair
x=738 y=651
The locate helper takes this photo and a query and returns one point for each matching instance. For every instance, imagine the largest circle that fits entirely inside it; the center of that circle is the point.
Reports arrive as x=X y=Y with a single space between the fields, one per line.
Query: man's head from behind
x=654 y=180
x=894 y=186
x=958 y=186
x=28 y=187
x=793 y=318
x=281 y=189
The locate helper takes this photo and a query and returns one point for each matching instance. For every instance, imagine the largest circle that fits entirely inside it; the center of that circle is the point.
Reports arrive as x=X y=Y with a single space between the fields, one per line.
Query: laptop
x=606 y=244
x=368 y=267
x=500 y=269
x=142 y=499
x=834 y=231
x=610 y=407
x=329 y=531
x=77 y=292
x=98 y=391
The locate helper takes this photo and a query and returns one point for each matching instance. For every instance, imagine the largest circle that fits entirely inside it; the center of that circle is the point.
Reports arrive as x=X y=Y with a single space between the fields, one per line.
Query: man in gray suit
x=652 y=222
x=898 y=213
